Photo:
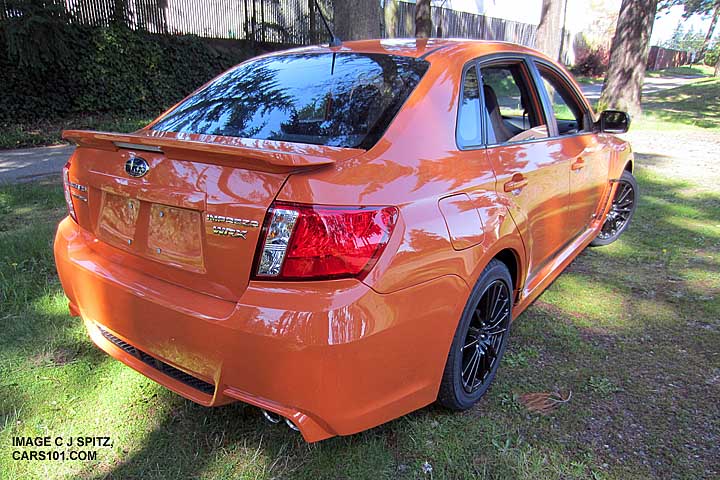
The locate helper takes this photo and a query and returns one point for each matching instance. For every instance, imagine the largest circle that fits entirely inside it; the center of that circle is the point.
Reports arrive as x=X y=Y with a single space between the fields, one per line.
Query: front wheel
x=479 y=341
x=621 y=212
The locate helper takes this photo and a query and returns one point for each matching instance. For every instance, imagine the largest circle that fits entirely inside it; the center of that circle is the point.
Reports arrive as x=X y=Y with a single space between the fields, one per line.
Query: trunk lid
x=194 y=217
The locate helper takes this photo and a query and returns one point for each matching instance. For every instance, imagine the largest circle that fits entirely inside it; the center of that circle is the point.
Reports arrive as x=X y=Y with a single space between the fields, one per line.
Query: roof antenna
x=334 y=39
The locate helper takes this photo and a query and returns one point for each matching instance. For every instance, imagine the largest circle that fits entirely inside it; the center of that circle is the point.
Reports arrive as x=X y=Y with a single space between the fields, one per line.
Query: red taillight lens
x=66 y=189
x=317 y=242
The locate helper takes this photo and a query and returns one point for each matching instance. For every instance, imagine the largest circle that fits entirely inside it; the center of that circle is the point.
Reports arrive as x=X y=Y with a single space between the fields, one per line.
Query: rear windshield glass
x=342 y=99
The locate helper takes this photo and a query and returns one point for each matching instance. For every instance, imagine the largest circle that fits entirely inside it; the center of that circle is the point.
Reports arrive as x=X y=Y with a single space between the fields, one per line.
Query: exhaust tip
x=271 y=417
x=291 y=425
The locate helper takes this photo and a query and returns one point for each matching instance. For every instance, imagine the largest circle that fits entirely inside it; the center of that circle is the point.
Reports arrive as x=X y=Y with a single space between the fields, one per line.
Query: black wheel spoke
x=495 y=332
x=470 y=344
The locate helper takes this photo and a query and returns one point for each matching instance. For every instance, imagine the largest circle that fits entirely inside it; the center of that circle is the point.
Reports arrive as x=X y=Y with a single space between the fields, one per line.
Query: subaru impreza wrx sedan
x=340 y=235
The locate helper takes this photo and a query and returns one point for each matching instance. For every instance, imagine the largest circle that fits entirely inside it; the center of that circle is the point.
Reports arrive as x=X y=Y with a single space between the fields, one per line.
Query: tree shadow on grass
x=660 y=348
x=695 y=104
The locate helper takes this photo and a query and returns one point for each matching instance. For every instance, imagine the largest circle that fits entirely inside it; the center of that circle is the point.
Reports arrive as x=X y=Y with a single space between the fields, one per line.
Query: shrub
x=591 y=61
x=55 y=69
x=711 y=56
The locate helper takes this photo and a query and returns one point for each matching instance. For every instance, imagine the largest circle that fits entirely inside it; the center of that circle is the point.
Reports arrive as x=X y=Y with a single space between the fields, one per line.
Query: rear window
x=340 y=99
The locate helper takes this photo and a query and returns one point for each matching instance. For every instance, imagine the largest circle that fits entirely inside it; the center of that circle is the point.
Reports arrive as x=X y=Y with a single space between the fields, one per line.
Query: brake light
x=66 y=189
x=303 y=242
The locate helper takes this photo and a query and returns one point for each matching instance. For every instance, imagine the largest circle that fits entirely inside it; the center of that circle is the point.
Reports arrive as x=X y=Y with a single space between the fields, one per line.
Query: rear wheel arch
x=511 y=259
x=629 y=166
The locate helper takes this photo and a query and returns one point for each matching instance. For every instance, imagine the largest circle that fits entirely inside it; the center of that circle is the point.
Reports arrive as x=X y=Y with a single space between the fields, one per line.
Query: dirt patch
x=55 y=358
x=686 y=156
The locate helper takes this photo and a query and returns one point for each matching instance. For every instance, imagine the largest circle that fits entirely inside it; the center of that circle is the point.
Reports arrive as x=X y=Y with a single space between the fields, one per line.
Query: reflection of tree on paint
x=344 y=99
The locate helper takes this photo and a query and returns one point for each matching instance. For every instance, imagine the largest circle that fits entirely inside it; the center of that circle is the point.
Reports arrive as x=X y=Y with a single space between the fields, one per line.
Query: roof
x=412 y=47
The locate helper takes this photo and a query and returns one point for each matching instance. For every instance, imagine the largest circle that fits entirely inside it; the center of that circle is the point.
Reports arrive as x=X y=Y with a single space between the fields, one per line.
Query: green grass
x=695 y=105
x=677 y=72
x=687 y=70
x=632 y=330
x=21 y=135
x=583 y=80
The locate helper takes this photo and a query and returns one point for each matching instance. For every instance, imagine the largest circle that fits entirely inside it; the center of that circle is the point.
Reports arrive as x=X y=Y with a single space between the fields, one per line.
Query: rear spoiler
x=231 y=151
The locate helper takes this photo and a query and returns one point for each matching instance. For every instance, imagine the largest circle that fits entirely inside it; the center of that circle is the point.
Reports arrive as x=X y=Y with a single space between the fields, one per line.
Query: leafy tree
x=686 y=41
x=674 y=41
x=26 y=32
x=712 y=57
x=623 y=84
x=692 y=41
x=698 y=7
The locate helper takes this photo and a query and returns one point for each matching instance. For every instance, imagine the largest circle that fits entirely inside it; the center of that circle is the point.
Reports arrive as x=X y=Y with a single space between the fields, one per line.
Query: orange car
x=340 y=235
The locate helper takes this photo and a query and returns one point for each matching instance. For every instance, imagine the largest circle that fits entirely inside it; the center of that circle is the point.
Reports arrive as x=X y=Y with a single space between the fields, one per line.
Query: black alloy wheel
x=485 y=336
x=480 y=340
x=621 y=211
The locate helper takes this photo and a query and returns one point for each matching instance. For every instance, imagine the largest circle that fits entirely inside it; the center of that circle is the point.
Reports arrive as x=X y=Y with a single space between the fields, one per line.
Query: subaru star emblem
x=136 y=166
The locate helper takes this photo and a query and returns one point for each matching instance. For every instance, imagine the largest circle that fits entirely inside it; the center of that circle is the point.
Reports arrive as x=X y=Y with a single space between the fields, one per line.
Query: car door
x=530 y=166
x=574 y=129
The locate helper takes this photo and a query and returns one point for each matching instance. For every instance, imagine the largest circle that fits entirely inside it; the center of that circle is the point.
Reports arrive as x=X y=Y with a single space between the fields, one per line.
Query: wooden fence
x=449 y=23
x=273 y=21
x=660 y=58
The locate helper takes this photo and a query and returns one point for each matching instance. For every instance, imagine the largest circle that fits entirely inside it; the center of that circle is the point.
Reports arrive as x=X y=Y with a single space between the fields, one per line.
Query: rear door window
x=469 y=132
x=334 y=99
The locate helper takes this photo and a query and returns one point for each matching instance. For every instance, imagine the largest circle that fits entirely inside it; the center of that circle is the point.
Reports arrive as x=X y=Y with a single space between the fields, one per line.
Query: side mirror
x=614 y=121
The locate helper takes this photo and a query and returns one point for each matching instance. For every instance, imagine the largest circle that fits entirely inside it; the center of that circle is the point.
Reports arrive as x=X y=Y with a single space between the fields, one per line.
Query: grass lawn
x=632 y=330
x=583 y=80
x=21 y=135
x=695 y=104
x=676 y=72
x=685 y=71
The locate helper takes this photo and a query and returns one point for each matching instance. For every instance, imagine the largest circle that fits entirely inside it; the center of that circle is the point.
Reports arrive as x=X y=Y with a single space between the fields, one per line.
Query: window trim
x=525 y=61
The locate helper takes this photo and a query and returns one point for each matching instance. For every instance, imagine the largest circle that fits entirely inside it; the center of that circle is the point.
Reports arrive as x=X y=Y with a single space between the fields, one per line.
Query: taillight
x=66 y=188
x=303 y=242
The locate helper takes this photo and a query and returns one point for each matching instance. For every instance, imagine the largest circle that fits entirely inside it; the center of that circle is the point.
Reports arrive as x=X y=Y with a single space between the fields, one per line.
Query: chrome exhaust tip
x=291 y=425
x=271 y=417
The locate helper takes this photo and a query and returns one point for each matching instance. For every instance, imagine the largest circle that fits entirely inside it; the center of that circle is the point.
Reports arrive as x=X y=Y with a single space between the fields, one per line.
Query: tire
x=621 y=213
x=457 y=390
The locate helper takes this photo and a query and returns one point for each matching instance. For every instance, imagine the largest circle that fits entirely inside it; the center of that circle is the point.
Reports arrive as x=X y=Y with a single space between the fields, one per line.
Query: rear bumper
x=335 y=357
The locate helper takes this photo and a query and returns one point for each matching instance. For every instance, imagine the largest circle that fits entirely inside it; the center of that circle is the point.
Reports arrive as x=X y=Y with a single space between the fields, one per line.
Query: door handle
x=517 y=182
x=578 y=164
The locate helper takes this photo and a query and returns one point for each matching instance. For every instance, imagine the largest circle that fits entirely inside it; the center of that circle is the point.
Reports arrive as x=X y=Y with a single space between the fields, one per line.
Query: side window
x=509 y=109
x=469 y=132
x=569 y=115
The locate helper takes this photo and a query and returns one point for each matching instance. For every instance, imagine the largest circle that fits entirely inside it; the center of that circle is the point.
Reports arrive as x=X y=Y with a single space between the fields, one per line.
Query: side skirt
x=544 y=277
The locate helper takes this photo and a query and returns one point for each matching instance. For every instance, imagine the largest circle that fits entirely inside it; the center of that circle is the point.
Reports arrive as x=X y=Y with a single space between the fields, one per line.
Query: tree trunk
x=550 y=29
x=711 y=30
x=628 y=58
x=717 y=67
x=356 y=19
x=313 y=24
x=423 y=21
x=391 y=18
